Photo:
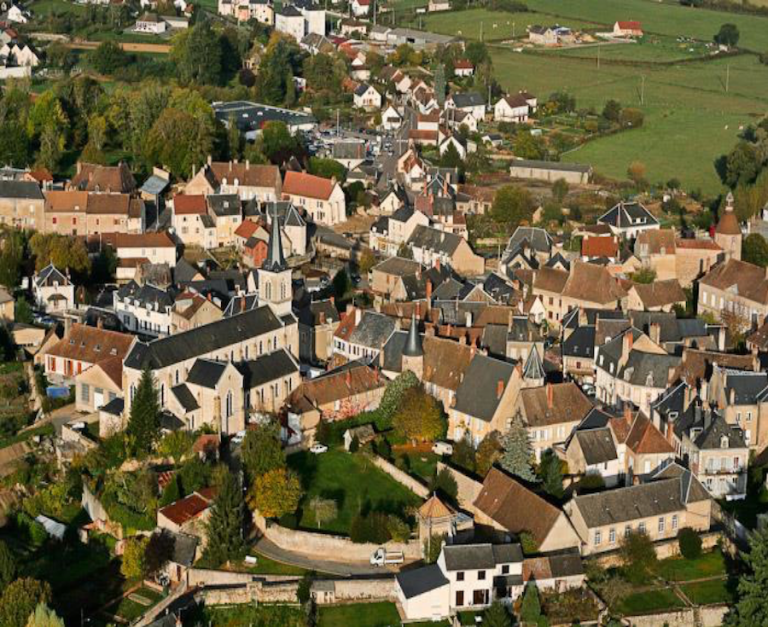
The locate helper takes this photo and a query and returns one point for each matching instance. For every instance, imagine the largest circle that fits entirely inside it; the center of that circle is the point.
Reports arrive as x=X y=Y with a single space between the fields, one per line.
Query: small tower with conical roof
x=533 y=370
x=413 y=352
x=728 y=232
x=275 y=275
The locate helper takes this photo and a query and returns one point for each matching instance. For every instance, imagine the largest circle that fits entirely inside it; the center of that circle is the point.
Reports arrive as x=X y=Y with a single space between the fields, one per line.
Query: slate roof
x=537 y=238
x=206 y=373
x=627 y=215
x=146 y=294
x=224 y=204
x=434 y=239
x=275 y=365
x=50 y=274
x=373 y=330
x=580 y=343
x=26 y=190
x=713 y=433
x=747 y=387
x=398 y=266
x=469 y=99
x=416 y=582
x=648 y=369
x=477 y=394
x=202 y=340
x=185 y=397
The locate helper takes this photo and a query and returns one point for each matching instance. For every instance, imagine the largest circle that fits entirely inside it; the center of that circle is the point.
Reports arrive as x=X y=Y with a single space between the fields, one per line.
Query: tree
x=262 y=451
x=44 y=616
x=755 y=250
x=14 y=144
x=464 y=455
x=108 y=58
x=8 y=566
x=612 y=110
x=444 y=484
x=517 y=455
x=277 y=143
x=433 y=544
x=20 y=599
x=728 y=35
x=52 y=144
x=528 y=543
x=636 y=172
x=690 y=543
x=529 y=146
x=395 y=393
x=371 y=528
x=638 y=556
x=497 y=616
x=551 y=474
x=741 y=165
x=326 y=168
x=177 y=140
x=419 y=417
x=488 y=453
x=367 y=261
x=176 y=445
x=451 y=158
x=560 y=190
x=631 y=118
x=144 y=421
x=197 y=55
x=645 y=275
x=530 y=611
x=225 y=525
x=133 y=565
x=324 y=510
x=275 y=493
x=11 y=259
x=751 y=608
x=512 y=205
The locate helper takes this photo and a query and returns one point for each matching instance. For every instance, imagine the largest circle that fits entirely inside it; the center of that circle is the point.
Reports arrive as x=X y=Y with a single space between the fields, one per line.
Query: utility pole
x=481 y=31
x=727 y=77
x=598 y=57
x=513 y=30
x=642 y=89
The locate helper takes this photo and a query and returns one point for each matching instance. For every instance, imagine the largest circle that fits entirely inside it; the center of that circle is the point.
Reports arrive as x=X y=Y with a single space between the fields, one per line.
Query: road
x=125 y=45
x=274 y=552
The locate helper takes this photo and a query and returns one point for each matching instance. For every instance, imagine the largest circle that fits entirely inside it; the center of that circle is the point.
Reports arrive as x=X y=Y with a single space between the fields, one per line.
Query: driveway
x=344 y=569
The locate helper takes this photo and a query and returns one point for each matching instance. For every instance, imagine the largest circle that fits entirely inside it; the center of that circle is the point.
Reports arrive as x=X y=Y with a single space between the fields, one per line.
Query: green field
x=496 y=25
x=360 y=615
x=353 y=482
x=682 y=569
x=689 y=118
x=650 y=601
x=650 y=49
x=44 y=7
x=664 y=19
x=708 y=592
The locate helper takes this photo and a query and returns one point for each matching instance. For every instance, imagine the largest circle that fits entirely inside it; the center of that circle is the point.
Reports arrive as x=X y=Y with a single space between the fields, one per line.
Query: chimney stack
x=655 y=332
x=550 y=395
x=349 y=378
x=429 y=291
x=499 y=388
x=628 y=413
x=99 y=323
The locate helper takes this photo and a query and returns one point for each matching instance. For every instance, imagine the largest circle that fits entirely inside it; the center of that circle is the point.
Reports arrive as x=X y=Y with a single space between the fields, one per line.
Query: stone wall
x=354 y=590
x=468 y=487
x=401 y=477
x=205 y=577
x=667 y=548
x=711 y=616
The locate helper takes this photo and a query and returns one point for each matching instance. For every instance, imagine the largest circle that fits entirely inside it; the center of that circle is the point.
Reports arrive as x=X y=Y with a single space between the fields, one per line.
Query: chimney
x=349 y=378
x=429 y=292
x=230 y=166
x=468 y=320
x=655 y=332
x=210 y=160
x=99 y=323
x=437 y=264
x=732 y=397
x=472 y=348
x=322 y=317
x=550 y=395
x=463 y=340
x=627 y=343
x=358 y=316
x=242 y=303
x=209 y=296
x=704 y=393
x=445 y=187
x=333 y=300
x=628 y=413
x=194 y=169
x=247 y=164
x=499 y=389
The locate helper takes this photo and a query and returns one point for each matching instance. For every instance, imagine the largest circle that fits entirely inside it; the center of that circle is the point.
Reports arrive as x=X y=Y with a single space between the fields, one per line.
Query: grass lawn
x=681 y=569
x=650 y=49
x=650 y=601
x=423 y=465
x=352 y=481
x=360 y=615
x=131 y=608
x=41 y=8
x=261 y=616
x=708 y=592
x=689 y=119
x=266 y=566
x=496 y=25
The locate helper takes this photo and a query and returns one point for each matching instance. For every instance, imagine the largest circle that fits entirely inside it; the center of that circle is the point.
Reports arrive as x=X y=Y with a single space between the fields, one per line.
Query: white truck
x=382 y=557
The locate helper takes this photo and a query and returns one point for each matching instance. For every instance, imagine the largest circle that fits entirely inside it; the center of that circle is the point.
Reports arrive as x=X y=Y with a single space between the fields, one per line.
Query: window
x=662 y=524
x=460 y=576
x=749 y=416
x=627 y=530
x=598 y=538
x=505 y=569
x=612 y=536
x=641 y=527
x=85 y=392
x=480 y=575
x=674 y=522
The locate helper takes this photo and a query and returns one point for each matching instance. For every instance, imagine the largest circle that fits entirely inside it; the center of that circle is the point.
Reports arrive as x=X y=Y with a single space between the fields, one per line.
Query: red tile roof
x=144 y=240
x=188 y=508
x=246 y=229
x=193 y=204
x=600 y=247
x=309 y=185
x=630 y=25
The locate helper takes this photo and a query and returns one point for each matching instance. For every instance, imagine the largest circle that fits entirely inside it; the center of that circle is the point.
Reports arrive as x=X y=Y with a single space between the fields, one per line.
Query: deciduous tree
x=419 y=417
x=275 y=493
x=133 y=565
x=20 y=599
x=262 y=451
x=512 y=205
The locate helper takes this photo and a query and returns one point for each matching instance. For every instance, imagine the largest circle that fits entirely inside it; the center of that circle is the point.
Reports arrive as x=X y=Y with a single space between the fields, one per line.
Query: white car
x=442 y=448
x=318 y=448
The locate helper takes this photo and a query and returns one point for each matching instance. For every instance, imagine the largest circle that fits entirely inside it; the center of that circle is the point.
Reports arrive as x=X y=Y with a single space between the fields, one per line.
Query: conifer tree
x=517 y=455
x=144 y=422
x=225 y=526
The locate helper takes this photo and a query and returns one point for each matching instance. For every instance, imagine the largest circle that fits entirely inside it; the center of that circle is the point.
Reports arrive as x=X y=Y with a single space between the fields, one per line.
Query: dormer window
x=724 y=442
x=97 y=348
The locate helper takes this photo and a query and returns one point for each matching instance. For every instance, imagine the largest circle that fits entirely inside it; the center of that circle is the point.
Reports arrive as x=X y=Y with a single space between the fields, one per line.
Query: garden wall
x=468 y=487
x=403 y=478
x=354 y=590
x=326 y=546
x=711 y=616
x=668 y=548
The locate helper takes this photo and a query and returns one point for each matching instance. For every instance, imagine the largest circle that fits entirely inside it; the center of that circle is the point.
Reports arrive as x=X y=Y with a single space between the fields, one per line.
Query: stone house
x=22 y=204
x=431 y=246
x=323 y=199
x=191 y=310
x=99 y=384
x=661 y=295
x=737 y=290
x=52 y=290
x=318 y=322
x=188 y=515
x=249 y=182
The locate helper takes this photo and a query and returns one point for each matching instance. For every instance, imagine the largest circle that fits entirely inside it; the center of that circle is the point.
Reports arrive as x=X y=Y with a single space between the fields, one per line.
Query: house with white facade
x=366 y=97
x=323 y=199
x=52 y=289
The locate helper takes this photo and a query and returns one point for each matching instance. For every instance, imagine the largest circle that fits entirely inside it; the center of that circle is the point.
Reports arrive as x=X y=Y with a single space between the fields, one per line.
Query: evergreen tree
x=752 y=605
x=225 y=526
x=497 y=616
x=440 y=84
x=144 y=423
x=517 y=455
x=551 y=474
x=8 y=566
x=531 y=608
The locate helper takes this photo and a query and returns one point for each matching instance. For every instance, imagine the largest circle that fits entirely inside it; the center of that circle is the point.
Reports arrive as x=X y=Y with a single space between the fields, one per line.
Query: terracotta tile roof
x=188 y=508
x=591 y=283
x=309 y=185
x=630 y=25
x=247 y=174
x=568 y=404
x=749 y=280
x=600 y=247
x=41 y=175
x=644 y=438
x=659 y=293
x=113 y=368
x=696 y=365
x=536 y=568
x=144 y=240
x=247 y=228
x=91 y=344
x=192 y=204
x=463 y=64
x=66 y=202
x=108 y=204
x=94 y=177
x=620 y=427
x=435 y=508
x=445 y=362
x=349 y=380
x=655 y=241
x=698 y=244
x=206 y=442
x=550 y=280
x=515 y=507
x=346 y=326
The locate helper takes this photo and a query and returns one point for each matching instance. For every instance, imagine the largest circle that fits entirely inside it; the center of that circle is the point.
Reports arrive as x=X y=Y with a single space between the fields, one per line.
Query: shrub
x=591 y=483
x=690 y=543
x=371 y=528
x=445 y=485
x=398 y=529
x=528 y=543
x=638 y=556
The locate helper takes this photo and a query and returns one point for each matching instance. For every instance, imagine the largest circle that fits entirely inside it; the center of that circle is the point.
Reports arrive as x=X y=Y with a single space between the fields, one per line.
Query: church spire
x=413 y=343
x=275 y=261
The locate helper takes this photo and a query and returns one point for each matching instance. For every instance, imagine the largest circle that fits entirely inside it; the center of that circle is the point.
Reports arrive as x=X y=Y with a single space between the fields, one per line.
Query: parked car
x=382 y=557
x=442 y=448
x=317 y=448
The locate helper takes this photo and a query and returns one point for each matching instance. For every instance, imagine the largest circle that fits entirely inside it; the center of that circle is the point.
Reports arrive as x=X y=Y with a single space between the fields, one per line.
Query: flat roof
x=251 y=116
